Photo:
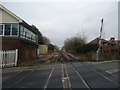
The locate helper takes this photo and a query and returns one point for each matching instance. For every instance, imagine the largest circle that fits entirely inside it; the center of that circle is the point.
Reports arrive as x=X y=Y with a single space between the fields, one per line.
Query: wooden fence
x=8 y=58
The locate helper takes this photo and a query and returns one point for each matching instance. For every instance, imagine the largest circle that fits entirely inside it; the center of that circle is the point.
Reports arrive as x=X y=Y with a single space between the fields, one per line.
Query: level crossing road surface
x=64 y=75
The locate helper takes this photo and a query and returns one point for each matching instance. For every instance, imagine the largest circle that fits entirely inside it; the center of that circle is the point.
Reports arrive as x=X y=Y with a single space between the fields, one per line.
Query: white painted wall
x=43 y=49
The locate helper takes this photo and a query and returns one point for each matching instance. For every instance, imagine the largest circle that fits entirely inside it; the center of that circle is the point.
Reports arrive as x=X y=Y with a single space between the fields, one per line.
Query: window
x=36 y=39
x=21 y=31
x=14 y=29
x=27 y=34
x=32 y=35
x=1 y=29
x=33 y=38
x=7 y=29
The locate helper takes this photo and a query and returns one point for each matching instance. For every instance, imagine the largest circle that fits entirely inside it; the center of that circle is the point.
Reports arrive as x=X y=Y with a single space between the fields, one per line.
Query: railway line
x=56 y=59
x=109 y=79
x=16 y=81
x=64 y=73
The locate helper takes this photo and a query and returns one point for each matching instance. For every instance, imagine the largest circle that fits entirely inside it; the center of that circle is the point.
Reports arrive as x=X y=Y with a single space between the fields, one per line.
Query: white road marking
x=105 y=77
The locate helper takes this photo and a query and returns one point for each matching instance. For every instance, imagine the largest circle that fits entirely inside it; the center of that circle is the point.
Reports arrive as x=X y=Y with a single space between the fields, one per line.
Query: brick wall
x=26 y=50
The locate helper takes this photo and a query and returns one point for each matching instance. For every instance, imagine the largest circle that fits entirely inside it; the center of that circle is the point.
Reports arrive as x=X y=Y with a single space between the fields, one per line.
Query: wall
x=26 y=49
x=43 y=49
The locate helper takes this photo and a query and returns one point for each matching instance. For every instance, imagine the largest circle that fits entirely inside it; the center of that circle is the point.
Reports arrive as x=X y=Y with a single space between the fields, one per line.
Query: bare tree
x=71 y=43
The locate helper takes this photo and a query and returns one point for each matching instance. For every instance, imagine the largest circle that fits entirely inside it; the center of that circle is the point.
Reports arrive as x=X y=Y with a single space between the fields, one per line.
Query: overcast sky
x=61 y=20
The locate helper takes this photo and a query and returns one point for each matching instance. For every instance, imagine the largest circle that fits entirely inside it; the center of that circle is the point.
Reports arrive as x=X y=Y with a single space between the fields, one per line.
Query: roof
x=95 y=41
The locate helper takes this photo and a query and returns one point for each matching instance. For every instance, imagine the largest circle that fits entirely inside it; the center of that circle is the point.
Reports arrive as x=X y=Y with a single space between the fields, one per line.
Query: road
x=64 y=74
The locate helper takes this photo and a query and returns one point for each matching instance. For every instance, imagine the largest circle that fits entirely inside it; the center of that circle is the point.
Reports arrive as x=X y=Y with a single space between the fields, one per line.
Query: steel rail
x=83 y=80
x=20 y=79
x=45 y=87
x=102 y=75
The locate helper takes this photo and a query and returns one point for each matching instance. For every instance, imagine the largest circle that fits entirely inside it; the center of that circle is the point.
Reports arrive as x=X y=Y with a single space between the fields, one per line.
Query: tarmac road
x=80 y=74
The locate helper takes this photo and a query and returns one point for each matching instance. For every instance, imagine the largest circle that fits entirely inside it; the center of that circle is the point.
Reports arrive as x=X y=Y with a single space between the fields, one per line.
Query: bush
x=85 y=48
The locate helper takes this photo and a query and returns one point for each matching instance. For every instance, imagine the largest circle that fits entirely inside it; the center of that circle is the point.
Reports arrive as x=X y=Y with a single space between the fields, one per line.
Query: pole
x=16 y=56
x=97 y=56
x=99 y=44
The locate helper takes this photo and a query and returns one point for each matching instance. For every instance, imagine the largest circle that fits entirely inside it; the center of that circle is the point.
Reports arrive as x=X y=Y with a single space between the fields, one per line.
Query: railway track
x=84 y=80
x=56 y=59
x=73 y=66
x=103 y=75
x=20 y=76
x=71 y=75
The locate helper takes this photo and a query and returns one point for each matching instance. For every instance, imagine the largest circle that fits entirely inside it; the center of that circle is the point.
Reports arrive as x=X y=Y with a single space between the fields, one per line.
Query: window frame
x=5 y=30
x=11 y=25
x=28 y=34
x=22 y=32
x=17 y=30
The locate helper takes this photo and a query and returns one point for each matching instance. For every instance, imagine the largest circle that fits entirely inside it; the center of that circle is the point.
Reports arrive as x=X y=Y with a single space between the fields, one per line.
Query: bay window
x=11 y=30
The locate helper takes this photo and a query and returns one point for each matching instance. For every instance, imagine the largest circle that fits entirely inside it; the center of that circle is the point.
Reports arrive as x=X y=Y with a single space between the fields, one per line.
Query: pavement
x=86 y=75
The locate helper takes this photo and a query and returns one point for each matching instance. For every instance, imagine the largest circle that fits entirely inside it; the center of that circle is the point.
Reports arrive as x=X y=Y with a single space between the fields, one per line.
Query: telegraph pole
x=99 y=44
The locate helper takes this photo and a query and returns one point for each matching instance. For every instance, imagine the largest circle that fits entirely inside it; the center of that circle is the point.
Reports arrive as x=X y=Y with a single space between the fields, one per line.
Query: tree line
x=77 y=44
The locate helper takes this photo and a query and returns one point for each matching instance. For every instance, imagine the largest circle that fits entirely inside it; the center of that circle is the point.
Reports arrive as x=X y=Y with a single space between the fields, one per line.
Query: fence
x=8 y=58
